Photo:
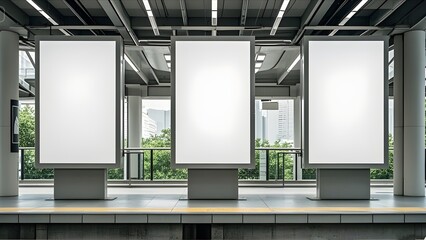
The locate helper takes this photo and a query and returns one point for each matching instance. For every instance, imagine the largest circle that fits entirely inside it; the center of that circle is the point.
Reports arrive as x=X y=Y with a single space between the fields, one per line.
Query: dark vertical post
x=295 y=166
x=267 y=164
x=143 y=165
x=128 y=165
x=22 y=164
x=152 y=163
x=139 y=165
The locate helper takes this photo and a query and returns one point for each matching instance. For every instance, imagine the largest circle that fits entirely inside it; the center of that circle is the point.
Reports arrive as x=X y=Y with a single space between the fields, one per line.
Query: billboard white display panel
x=345 y=101
x=212 y=102
x=78 y=102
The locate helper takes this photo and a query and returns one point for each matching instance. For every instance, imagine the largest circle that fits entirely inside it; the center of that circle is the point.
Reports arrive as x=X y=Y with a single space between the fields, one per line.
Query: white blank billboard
x=77 y=102
x=346 y=100
x=212 y=103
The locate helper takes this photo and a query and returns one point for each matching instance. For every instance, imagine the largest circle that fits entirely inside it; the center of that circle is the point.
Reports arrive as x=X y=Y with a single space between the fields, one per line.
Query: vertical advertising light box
x=345 y=101
x=212 y=102
x=78 y=102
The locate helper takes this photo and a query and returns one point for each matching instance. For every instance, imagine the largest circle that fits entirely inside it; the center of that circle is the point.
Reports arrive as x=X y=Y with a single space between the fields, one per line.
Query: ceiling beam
x=244 y=8
x=14 y=13
x=224 y=21
x=404 y=11
x=315 y=19
x=183 y=11
x=420 y=25
x=177 y=28
x=184 y=14
x=220 y=28
x=82 y=14
x=115 y=19
x=308 y=15
x=50 y=10
x=124 y=18
x=140 y=72
x=378 y=16
x=14 y=19
x=290 y=58
x=119 y=17
x=122 y=14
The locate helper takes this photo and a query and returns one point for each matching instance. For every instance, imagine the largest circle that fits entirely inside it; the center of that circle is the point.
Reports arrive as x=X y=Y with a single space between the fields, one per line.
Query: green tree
x=27 y=139
x=386 y=173
x=27 y=127
x=275 y=162
x=161 y=158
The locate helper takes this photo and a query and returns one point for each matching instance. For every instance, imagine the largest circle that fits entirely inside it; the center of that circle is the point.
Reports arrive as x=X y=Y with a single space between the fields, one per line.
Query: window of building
x=26 y=68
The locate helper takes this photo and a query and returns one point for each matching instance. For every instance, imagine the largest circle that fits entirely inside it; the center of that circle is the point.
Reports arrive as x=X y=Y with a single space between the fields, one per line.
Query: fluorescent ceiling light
x=214 y=5
x=258 y=65
x=279 y=17
x=169 y=64
x=47 y=16
x=151 y=17
x=153 y=24
x=284 y=5
x=294 y=63
x=65 y=32
x=131 y=63
x=167 y=57
x=256 y=70
x=34 y=5
x=214 y=12
x=349 y=16
x=333 y=32
x=275 y=26
x=214 y=18
x=260 y=57
x=146 y=5
x=359 y=6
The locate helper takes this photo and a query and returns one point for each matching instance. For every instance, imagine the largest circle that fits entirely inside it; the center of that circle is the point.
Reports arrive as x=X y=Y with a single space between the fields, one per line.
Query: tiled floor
x=254 y=200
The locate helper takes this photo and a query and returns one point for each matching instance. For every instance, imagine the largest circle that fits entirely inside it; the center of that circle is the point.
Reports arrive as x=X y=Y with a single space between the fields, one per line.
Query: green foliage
x=275 y=162
x=386 y=173
x=116 y=173
x=161 y=158
x=27 y=126
x=27 y=139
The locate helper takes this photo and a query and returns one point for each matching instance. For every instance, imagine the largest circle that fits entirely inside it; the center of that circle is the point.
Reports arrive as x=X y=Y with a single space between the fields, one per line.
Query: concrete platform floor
x=170 y=200
x=160 y=213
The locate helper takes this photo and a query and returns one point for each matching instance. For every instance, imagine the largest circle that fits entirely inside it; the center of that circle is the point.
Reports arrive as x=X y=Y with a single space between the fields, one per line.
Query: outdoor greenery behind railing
x=161 y=158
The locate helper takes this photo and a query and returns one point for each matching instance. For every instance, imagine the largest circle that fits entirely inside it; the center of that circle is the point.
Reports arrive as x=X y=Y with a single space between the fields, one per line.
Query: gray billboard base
x=213 y=184
x=80 y=184
x=343 y=184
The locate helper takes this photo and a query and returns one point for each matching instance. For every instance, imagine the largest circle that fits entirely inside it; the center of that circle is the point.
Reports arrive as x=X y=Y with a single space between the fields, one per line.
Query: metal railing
x=147 y=160
x=141 y=154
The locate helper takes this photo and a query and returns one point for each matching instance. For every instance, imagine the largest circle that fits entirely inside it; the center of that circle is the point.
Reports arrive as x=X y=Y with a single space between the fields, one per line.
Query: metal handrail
x=141 y=152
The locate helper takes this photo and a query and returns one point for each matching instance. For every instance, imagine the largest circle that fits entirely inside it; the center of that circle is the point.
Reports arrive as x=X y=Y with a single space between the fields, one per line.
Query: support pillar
x=297 y=137
x=297 y=130
x=9 y=83
x=398 y=94
x=134 y=128
x=414 y=110
x=409 y=93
